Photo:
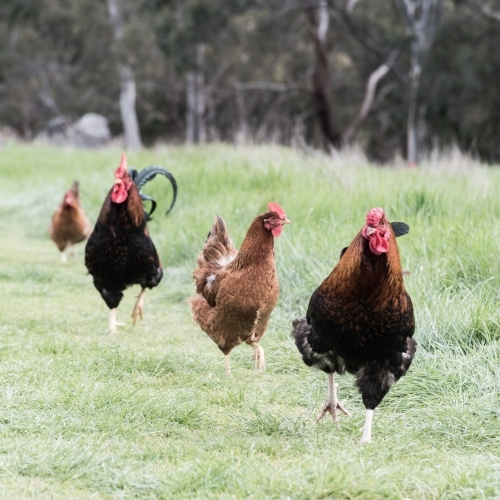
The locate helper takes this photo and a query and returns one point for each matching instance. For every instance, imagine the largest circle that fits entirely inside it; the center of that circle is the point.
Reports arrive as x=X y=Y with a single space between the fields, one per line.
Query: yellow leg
x=367 y=428
x=260 y=361
x=139 y=306
x=332 y=403
x=227 y=364
x=113 y=324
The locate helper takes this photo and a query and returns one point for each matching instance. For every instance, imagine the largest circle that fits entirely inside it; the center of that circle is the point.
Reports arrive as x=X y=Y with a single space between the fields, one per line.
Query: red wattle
x=378 y=244
x=276 y=231
x=119 y=194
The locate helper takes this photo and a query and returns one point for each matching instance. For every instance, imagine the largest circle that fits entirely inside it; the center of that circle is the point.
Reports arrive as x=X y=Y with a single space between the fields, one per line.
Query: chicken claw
x=139 y=306
x=332 y=403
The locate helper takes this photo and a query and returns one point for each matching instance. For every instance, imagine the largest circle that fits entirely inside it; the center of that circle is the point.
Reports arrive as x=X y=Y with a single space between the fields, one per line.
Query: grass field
x=149 y=413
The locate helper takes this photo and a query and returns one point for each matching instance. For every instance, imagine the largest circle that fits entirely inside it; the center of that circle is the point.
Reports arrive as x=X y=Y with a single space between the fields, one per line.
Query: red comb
x=374 y=217
x=274 y=207
x=122 y=169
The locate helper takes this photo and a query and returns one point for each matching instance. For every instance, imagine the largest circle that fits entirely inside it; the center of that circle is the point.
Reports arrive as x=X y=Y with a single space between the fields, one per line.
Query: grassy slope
x=150 y=413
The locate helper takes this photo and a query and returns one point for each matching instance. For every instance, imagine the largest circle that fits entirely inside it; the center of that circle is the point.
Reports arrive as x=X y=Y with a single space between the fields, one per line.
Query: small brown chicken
x=69 y=223
x=360 y=319
x=237 y=291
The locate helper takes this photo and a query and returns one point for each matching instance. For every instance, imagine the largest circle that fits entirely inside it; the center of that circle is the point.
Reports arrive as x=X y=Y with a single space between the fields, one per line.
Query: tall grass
x=149 y=413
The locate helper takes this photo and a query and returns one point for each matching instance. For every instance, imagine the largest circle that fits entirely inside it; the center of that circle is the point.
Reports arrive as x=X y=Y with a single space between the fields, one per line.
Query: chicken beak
x=286 y=221
x=370 y=230
x=118 y=181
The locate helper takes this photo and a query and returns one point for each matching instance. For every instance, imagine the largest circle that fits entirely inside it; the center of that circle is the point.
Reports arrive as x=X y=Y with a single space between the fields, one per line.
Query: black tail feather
x=148 y=174
x=326 y=361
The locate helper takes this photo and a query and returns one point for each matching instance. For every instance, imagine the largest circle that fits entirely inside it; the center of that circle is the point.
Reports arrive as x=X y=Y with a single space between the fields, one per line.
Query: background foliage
x=56 y=59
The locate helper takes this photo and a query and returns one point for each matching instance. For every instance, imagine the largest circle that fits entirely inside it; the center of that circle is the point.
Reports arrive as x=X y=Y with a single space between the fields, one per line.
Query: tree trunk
x=318 y=20
x=242 y=134
x=371 y=88
x=127 y=83
x=195 y=114
x=196 y=130
x=422 y=18
x=412 y=123
x=127 y=109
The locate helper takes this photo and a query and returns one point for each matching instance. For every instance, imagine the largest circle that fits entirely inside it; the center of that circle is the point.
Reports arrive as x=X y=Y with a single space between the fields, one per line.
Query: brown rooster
x=120 y=252
x=69 y=223
x=360 y=319
x=237 y=291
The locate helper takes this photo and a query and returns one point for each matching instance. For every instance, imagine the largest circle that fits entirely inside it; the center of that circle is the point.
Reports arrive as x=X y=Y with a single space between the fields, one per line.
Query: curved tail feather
x=147 y=174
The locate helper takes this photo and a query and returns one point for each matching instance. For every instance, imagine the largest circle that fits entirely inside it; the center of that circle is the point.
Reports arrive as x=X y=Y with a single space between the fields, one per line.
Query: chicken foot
x=332 y=403
x=113 y=324
x=258 y=356
x=139 y=306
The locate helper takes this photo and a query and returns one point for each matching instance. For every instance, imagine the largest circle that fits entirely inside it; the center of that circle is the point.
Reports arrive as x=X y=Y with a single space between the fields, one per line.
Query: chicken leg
x=139 y=306
x=367 y=428
x=258 y=356
x=332 y=403
x=113 y=324
x=227 y=364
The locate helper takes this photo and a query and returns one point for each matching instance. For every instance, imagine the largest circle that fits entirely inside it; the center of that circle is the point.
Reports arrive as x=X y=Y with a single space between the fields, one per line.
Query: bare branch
x=116 y=19
x=218 y=75
x=487 y=11
x=383 y=53
x=371 y=88
x=350 y=6
x=407 y=9
x=288 y=7
x=323 y=21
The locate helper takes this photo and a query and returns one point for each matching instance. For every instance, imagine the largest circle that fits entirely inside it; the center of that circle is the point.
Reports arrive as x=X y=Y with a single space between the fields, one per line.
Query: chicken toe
x=332 y=404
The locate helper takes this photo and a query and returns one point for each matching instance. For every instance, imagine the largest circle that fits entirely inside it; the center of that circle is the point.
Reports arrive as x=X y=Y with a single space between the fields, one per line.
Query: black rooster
x=360 y=319
x=119 y=252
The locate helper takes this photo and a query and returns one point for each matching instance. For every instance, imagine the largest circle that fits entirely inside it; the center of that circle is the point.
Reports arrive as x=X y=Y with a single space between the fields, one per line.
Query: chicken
x=237 y=291
x=69 y=223
x=120 y=252
x=360 y=319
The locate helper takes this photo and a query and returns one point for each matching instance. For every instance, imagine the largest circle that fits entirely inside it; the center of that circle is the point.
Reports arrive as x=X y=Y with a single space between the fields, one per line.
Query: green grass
x=150 y=413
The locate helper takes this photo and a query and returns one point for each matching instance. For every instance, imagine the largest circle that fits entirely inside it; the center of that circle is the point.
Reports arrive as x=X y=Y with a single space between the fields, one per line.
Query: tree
x=127 y=81
x=422 y=19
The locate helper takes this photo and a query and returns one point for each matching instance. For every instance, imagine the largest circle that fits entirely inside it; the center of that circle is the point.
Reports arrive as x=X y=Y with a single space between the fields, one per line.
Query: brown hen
x=237 y=291
x=69 y=223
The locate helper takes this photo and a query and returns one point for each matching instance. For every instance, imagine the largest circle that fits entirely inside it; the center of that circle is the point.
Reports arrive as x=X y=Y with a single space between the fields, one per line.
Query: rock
x=90 y=131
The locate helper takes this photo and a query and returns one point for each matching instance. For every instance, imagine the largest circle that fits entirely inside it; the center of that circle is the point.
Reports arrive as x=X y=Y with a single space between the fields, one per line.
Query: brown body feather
x=236 y=291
